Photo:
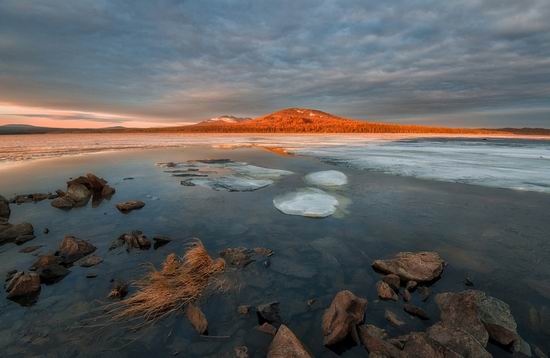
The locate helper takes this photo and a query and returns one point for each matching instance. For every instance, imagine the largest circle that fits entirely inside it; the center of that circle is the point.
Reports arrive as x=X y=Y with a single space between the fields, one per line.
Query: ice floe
x=309 y=202
x=224 y=174
x=329 y=178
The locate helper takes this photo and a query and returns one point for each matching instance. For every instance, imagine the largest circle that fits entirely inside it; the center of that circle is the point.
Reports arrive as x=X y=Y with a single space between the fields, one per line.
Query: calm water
x=498 y=237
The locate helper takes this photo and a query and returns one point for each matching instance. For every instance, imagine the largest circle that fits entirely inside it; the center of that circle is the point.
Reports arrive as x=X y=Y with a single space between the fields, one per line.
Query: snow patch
x=309 y=202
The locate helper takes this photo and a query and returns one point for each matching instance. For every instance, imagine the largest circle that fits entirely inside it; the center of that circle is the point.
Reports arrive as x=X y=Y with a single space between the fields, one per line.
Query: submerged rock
x=73 y=249
x=392 y=318
x=373 y=339
x=268 y=312
x=342 y=317
x=18 y=233
x=385 y=292
x=63 y=202
x=309 y=202
x=328 y=178
x=133 y=240
x=415 y=311
x=393 y=281
x=267 y=329
x=50 y=269
x=286 y=345
x=161 y=241
x=416 y=266
x=23 y=286
x=238 y=257
x=29 y=249
x=197 y=318
x=4 y=208
x=130 y=205
x=90 y=261
x=119 y=290
x=457 y=340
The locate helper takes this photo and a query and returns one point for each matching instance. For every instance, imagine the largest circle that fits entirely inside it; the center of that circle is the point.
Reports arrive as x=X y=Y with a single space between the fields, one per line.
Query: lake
x=490 y=225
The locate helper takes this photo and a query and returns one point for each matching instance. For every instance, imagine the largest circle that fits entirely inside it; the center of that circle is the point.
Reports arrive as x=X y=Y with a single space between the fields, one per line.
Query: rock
x=49 y=268
x=329 y=178
x=46 y=231
x=415 y=311
x=263 y=251
x=63 y=202
x=479 y=315
x=419 y=345
x=539 y=353
x=119 y=290
x=392 y=318
x=197 y=318
x=107 y=191
x=406 y=295
x=268 y=312
x=385 y=292
x=90 y=261
x=522 y=349
x=393 y=280
x=73 y=249
x=417 y=266
x=243 y=309
x=241 y=352
x=373 y=339
x=308 y=202
x=424 y=292
x=342 y=317
x=133 y=240
x=411 y=285
x=238 y=257
x=23 y=285
x=91 y=275
x=468 y=282
x=29 y=249
x=11 y=233
x=457 y=340
x=96 y=184
x=79 y=193
x=128 y=206
x=267 y=328
x=286 y=345
x=4 y=208
x=23 y=239
x=161 y=241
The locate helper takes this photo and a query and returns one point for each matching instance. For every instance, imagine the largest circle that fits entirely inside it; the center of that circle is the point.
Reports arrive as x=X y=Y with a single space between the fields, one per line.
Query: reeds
x=179 y=282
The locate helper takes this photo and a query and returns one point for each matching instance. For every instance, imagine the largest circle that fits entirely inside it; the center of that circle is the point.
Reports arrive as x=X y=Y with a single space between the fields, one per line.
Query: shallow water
x=497 y=237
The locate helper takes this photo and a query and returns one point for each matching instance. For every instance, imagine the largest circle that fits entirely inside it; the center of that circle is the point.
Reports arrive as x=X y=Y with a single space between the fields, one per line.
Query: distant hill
x=302 y=120
x=290 y=120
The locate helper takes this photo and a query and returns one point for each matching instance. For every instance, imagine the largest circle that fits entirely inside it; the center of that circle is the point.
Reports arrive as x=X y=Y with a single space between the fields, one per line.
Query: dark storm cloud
x=187 y=60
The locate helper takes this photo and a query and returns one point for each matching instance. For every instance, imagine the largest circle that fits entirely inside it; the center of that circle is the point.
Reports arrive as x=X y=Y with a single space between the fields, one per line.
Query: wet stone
x=415 y=311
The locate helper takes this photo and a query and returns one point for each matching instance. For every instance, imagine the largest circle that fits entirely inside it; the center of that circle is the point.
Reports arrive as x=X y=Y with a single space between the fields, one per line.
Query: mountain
x=303 y=120
x=26 y=129
x=226 y=119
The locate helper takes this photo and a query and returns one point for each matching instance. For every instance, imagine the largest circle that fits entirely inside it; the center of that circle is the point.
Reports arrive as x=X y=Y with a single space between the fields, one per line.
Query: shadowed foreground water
x=497 y=237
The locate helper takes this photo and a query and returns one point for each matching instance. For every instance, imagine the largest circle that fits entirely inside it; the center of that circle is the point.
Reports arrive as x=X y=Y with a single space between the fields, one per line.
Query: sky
x=144 y=63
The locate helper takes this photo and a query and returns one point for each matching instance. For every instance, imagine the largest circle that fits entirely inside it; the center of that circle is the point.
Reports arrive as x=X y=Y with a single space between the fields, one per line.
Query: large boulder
x=342 y=317
x=286 y=345
x=413 y=266
x=79 y=193
x=4 y=208
x=11 y=233
x=479 y=315
x=73 y=249
x=23 y=285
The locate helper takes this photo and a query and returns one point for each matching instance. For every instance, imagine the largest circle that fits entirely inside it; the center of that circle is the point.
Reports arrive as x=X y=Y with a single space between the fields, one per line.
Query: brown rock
x=411 y=285
x=133 y=240
x=415 y=311
x=4 y=208
x=243 y=309
x=268 y=312
x=286 y=345
x=119 y=290
x=241 y=352
x=263 y=251
x=392 y=318
x=419 y=345
x=23 y=285
x=393 y=280
x=424 y=292
x=160 y=241
x=128 y=206
x=90 y=261
x=342 y=317
x=373 y=340
x=457 y=340
x=29 y=249
x=79 y=193
x=385 y=292
x=49 y=268
x=63 y=202
x=73 y=249
x=267 y=328
x=95 y=183
x=416 y=266
x=238 y=257
x=107 y=191
x=20 y=240
x=197 y=318
x=406 y=295
x=10 y=233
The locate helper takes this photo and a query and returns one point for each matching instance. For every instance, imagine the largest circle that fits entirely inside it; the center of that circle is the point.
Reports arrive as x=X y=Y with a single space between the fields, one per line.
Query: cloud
x=188 y=60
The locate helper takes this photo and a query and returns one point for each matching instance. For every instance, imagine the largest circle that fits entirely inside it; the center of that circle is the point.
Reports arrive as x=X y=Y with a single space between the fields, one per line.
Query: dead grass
x=162 y=292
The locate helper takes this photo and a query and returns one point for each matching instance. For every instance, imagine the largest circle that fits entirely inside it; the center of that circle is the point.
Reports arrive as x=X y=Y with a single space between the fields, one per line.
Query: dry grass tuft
x=180 y=281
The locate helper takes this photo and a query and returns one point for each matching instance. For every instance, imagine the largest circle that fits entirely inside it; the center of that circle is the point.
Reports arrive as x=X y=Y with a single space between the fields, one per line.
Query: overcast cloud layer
x=473 y=63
